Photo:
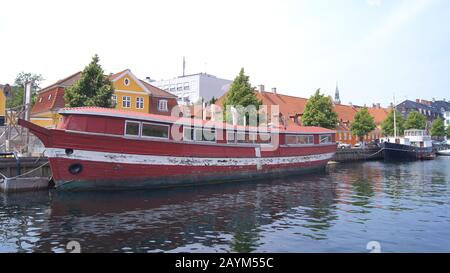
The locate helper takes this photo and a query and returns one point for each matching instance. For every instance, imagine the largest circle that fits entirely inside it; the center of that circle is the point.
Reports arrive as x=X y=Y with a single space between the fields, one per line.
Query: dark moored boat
x=416 y=145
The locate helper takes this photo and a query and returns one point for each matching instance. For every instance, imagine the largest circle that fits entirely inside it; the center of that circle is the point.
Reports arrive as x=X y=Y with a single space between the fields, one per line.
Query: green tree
x=92 y=89
x=362 y=124
x=388 y=124
x=415 y=120
x=447 y=131
x=240 y=95
x=319 y=112
x=438 y=128
x=17 y=91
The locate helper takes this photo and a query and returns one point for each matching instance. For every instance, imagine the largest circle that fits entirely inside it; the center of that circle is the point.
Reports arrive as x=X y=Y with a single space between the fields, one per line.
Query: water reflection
x=337 y=211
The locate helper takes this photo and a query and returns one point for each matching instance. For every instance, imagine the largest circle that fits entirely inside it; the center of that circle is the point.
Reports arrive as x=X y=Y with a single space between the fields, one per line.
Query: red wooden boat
x=99 y=148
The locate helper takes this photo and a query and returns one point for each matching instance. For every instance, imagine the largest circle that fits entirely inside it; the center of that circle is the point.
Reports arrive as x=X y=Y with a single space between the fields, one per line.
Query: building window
x=325 y=139
x=179 y=87
x=155 y=130
x=186 y=86
x=126 y=102
x=172 y=87
x=162 y=105
x=132 y=128
x=114 y=99
x=139 y=103
x=166 y=87
x=126 y=81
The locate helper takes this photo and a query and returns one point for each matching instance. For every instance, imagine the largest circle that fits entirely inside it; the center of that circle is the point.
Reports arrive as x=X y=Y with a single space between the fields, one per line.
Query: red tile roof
x=290 y=106
x=379 y=114
x=49 y=100
x=346 y=113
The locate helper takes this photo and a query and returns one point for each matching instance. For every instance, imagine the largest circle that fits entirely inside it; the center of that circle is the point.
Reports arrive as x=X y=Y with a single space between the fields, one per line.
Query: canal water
x=399 y=207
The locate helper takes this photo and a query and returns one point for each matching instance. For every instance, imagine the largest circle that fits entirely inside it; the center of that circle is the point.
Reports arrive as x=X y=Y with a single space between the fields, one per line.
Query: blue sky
x=373 y=48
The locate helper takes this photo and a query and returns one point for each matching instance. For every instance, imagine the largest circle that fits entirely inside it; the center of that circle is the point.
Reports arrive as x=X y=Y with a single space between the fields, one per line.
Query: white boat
x=444 y=152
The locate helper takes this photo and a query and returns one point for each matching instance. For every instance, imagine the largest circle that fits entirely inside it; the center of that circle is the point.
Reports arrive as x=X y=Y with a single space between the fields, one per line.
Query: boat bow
x=42 y=133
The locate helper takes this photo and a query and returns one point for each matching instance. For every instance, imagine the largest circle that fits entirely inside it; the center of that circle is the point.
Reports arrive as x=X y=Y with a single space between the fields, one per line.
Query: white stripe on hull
x=181 y=161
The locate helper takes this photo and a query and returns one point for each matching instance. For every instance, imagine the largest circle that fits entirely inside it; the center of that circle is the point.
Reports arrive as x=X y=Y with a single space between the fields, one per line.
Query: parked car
x=343 y=145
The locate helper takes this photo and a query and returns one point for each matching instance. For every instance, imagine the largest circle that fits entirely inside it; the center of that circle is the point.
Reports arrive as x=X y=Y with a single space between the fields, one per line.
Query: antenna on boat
x=395 y=120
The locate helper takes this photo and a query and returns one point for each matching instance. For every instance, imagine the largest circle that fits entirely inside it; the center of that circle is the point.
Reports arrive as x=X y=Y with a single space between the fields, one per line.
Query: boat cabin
x=143 y=126
x=413 y=137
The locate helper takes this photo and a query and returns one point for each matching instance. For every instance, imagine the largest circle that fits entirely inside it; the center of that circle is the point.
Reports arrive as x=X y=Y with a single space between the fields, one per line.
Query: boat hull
x=150 y=179
x=90 y=170
x=399 y=152
x=443 y=152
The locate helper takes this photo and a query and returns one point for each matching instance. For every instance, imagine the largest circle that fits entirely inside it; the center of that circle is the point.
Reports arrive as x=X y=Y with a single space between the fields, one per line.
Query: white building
x=191 y=88
x=443 y=106
x=447 y=118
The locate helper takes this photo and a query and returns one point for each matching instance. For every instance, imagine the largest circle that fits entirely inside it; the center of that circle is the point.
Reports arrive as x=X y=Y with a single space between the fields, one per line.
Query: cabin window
x=325 y=139
x=240 y=137
x=230 y=137
x=114 y=99
x=132 y=128
x=126 y=101
x=50 y=97
x=299 y=139
x=40 y=99
x=264 y=138
x=162 y=105
x=209 y=134
x=246 y=138
x=198 y=134
x=155 y=130
x=139 y=103
x=187 y=134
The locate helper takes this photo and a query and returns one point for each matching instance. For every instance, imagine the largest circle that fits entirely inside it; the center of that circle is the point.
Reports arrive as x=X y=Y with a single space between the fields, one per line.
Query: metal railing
x=14 y=137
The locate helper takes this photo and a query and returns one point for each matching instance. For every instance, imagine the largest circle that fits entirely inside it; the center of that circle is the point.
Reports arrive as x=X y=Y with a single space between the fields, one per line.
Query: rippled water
x=405 y=207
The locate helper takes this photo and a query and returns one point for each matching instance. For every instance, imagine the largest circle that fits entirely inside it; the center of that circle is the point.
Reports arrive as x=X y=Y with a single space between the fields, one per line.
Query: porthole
x=75 y=168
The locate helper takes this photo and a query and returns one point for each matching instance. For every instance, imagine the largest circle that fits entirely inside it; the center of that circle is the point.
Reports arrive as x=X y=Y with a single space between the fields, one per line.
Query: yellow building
x=130 y=93
x=3 y=90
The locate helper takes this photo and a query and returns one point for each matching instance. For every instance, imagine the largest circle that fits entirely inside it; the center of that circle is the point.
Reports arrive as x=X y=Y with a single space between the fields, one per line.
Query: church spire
x=337 y=100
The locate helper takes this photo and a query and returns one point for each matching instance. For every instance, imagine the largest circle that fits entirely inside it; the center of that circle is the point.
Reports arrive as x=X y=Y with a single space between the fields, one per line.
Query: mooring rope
x=35 y=169
x=376 y=152
x=4 y=177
